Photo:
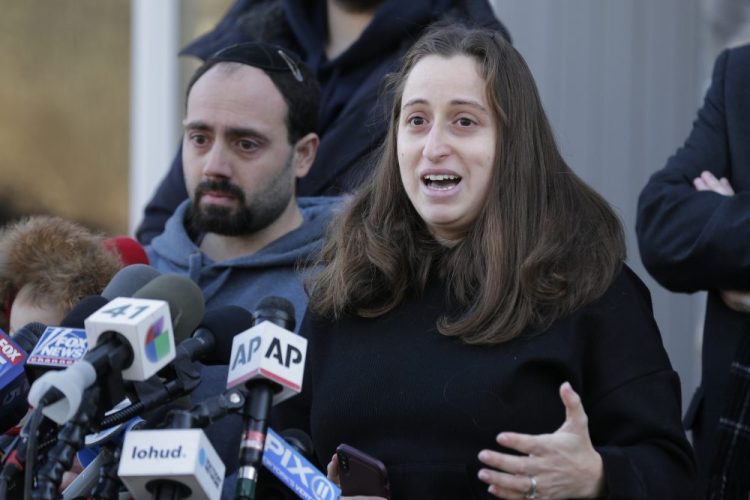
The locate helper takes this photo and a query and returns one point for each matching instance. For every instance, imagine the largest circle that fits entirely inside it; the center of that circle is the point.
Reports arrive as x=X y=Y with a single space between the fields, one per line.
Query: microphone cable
x=28 y=472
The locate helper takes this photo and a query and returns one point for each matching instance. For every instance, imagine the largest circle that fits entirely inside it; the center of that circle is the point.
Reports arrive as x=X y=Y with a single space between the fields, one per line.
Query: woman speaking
x=474 y=326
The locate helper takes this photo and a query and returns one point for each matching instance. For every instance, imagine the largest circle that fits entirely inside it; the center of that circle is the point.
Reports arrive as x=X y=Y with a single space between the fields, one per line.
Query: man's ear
x=304 y=154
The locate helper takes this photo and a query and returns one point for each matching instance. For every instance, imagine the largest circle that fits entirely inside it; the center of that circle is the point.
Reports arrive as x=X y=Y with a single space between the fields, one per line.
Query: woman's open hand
x=563 y=464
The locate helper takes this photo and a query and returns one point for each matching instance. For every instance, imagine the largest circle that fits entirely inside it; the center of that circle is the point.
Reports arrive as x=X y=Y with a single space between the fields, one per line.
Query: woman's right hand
x=563 y=464
x=333 y=474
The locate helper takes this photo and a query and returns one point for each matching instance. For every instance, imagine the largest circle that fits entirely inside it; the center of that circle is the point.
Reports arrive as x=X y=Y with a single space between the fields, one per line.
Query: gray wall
x=621 y=81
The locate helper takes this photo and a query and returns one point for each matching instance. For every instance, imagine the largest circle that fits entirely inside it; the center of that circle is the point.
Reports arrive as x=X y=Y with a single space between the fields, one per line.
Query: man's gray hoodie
x=244 y=281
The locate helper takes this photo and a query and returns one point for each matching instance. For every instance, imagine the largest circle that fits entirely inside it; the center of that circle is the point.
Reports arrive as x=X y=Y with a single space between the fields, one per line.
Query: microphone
x=213 y=339
x=62 y=346
x=269 y=361
x=28 y=338
x=285 y=457
x=85 y=308
x=134 y=339
x=13 y=382
x=129 y=280
x=184 y=298
x=98 y=453
x=211 y=343
x=182 y=458
x=269 y=350
x=57 y=348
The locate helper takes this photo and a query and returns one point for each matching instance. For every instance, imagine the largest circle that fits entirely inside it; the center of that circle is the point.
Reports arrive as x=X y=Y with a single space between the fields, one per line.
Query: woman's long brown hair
x=543 y=245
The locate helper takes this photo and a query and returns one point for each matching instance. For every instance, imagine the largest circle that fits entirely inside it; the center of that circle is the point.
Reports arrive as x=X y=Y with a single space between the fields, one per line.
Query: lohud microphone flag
x=184 y=456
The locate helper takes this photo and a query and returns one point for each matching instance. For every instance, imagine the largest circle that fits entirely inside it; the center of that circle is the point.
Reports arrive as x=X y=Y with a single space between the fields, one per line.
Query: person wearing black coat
x=426 y=404
x=473 y=324
x=693 y=231
x=352 y=116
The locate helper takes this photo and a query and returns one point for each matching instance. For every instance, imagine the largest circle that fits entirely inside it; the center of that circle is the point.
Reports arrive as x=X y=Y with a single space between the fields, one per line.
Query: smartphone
x=361 y=474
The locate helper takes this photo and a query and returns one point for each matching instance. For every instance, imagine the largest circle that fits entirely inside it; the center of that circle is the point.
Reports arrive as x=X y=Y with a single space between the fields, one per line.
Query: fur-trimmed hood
x=60 y=261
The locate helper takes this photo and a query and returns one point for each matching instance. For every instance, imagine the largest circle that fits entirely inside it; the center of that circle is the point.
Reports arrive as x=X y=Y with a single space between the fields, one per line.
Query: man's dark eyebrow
x=197 y=125
x=233 y=132
x=245 y=132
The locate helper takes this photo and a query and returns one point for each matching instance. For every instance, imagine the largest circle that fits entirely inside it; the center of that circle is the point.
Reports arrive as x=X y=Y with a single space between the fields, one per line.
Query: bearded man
x=249 y=134
x=243 y=235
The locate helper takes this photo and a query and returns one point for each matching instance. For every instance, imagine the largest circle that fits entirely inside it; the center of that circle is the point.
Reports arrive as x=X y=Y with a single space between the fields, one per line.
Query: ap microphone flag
x=267 y=351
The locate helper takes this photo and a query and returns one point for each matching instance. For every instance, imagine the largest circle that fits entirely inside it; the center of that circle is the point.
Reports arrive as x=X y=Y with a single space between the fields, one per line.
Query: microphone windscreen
x=224 y=323
x=300 y=441
x=185 y=299
x=128 y=249
x=277 y=310
x=28 y=336
x=85 y=308
x=129 y=280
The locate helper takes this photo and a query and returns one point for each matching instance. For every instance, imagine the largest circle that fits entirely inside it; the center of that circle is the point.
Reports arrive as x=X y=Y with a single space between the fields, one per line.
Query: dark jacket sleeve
x=634 y=401
x=650 y=459
x=170 y=193
x=691 y=240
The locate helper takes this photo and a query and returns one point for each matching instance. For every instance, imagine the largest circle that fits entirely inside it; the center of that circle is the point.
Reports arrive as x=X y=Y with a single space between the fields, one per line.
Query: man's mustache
x=221 y=186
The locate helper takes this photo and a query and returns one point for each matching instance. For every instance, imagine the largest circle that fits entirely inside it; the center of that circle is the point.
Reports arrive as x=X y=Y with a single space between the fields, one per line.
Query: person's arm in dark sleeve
x=634 y=405
x=697 y=240
x=170 y=193
x=649 y=456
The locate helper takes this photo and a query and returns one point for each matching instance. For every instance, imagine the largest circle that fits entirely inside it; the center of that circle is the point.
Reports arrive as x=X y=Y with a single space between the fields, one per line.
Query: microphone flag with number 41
x=148 y=325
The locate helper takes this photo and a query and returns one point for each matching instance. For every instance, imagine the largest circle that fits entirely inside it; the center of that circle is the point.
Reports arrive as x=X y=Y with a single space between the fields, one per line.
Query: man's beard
x=357 y=6
x=243 y=219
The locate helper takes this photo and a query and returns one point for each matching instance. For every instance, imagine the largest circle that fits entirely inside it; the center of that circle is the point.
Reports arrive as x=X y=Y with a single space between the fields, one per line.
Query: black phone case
x=361 y=474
